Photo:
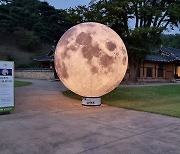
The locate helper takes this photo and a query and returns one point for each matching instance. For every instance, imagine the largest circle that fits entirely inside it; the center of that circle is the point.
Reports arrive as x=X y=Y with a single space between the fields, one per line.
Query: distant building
x=47 y=62
x=162 y=66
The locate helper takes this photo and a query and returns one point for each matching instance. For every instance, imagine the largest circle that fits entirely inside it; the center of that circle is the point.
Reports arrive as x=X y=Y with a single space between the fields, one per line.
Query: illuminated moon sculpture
x=91 y=59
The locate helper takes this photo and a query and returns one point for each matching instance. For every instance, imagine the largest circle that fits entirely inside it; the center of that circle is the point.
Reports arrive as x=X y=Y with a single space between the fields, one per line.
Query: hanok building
x=46 y=61
x=164 y=66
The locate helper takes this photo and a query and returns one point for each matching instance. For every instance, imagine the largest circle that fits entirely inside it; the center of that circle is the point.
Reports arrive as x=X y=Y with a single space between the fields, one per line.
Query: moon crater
x=90 y=51
x=64 y=71
x=111 y=46
x=94 y=69
x=106 y=60
x=84 y=38
x=124 y=60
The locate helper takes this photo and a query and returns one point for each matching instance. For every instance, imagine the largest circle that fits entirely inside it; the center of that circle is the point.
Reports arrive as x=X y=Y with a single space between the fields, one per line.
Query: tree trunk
x=134 y=65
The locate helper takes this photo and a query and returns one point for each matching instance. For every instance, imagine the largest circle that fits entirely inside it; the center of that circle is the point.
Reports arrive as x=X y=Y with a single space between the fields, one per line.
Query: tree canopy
x=44 y=20
x=171 y=40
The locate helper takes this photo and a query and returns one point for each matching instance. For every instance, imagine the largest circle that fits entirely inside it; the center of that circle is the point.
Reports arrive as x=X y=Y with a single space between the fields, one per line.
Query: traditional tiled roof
x=174 y=53
x=165 y=54
x=44 y=58
x=156 y=58
x=47 y=58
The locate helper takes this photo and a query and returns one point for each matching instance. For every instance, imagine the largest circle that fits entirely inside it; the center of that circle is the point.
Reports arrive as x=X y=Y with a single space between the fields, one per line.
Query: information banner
x=6 y=86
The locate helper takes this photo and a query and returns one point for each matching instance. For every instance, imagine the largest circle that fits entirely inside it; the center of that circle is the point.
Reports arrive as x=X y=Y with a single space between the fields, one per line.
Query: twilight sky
x=64 y=4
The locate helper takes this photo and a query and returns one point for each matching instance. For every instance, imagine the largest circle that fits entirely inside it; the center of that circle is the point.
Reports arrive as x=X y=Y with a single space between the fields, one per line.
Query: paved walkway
x=46 y=122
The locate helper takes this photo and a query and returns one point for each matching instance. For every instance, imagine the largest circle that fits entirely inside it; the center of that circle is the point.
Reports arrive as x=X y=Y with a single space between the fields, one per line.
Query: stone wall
x=45 y=74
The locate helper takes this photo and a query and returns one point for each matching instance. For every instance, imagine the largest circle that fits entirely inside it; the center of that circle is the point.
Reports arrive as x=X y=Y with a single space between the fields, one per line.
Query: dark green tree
x=6 y=21
x=171 y=40
x=39 y=17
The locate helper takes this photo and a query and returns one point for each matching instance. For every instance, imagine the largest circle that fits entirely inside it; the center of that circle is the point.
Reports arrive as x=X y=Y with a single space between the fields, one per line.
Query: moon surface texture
x=91 y=59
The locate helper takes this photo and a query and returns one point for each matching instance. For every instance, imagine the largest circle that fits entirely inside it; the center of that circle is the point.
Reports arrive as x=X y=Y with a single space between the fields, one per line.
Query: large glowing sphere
x=91 y=59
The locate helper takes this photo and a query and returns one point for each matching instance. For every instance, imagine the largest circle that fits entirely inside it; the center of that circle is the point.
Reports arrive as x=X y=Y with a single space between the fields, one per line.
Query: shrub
x=10 y=57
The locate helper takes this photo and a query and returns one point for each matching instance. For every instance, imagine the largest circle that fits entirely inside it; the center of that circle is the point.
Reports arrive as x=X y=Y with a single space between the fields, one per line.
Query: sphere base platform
x=91 y=101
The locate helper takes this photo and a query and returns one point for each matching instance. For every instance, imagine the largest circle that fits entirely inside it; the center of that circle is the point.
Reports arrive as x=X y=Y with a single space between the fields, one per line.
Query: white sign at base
x=6 y=86
x=91 y=101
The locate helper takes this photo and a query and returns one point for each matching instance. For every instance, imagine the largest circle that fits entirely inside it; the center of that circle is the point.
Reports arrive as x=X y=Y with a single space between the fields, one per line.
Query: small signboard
x=6 y=86
x=91 y=101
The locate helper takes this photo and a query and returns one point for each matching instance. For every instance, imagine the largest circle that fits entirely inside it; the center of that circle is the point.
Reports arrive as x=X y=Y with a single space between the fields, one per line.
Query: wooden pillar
x=143 y=72
x=155 y=72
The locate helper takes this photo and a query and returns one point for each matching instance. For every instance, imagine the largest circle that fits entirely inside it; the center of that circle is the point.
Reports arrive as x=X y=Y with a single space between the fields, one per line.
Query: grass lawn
x=21 y=83
x=156 y=99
